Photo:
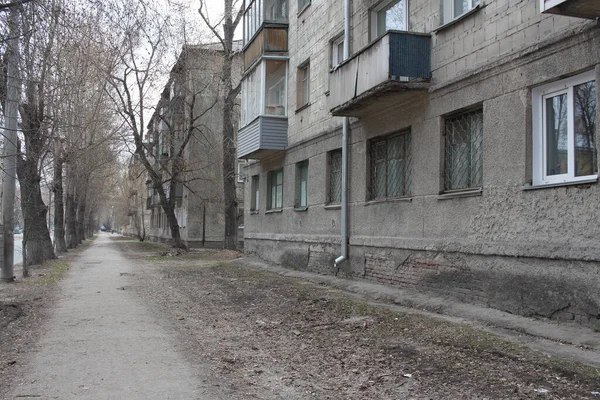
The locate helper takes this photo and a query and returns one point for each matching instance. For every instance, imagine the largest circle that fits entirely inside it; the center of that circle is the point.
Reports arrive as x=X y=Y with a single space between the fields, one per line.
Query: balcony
x=389 y=70
x=269 y=40
x=572 y=8
x=262 y=137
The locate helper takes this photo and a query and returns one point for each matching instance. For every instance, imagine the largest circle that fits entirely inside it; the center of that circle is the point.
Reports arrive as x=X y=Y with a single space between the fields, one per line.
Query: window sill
x=303 y=107
x=254 y=212
x=555 y=185
x=303 y=9
x=389 y=200
x=333 y=206
x=458 y=19
x=300 y=209
x=277 y=210
x=460 y=193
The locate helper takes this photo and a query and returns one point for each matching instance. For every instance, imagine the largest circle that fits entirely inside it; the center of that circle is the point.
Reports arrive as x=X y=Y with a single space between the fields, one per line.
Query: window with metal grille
x=390 y=166
x=255 y=198
x=463 y=151
x=275 y=189
x=302 y=184
x=335 y=177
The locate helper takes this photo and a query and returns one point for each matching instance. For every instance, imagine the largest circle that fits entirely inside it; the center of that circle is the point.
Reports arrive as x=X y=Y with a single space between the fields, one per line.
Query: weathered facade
x=472 y=152
x=191 y=105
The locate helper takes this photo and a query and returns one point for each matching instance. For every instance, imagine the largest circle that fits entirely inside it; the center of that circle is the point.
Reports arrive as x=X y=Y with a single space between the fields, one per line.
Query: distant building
x=191 y=100
x=472 y=146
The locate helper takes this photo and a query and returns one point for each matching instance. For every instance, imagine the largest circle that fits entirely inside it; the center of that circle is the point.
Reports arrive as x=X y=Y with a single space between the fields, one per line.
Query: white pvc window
x=453 y=9
x=564 y=131
x=337 y=51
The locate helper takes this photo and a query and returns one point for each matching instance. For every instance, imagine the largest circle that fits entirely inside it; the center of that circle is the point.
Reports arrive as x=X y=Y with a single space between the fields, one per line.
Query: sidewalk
x=103 y=343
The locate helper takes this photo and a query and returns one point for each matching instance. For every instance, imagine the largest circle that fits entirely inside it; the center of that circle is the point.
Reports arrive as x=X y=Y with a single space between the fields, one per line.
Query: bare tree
x=231 y=19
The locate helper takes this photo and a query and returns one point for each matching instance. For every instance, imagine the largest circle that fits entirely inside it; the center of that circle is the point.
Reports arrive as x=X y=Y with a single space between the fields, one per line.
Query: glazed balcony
x=259 y=13
x=269 y=40
x=391 y=69
x=572 y=8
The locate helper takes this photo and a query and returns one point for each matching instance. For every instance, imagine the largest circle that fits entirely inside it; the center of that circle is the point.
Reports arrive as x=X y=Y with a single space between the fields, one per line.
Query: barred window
x=335 y=177
x=391 y=166
x=275 y=189
x=464 y=153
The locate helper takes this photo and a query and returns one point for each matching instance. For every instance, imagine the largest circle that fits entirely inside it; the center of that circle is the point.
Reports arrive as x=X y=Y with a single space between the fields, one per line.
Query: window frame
x=470 y=185
x=303 y=5
x=448 y=10
x=303 y=75
x=270 y=186
x=374 y=21
x=255 y=193
x=539 y=138
x=335 y=43
x=301 y=172
x=407 y=167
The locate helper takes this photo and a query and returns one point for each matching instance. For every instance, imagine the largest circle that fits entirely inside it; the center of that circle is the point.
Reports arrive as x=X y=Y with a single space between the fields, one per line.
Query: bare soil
x=273 y=337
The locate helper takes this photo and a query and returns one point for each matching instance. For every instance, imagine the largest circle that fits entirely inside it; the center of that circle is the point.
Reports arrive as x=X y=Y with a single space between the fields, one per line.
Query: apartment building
x=191 y=106
x=472 y=168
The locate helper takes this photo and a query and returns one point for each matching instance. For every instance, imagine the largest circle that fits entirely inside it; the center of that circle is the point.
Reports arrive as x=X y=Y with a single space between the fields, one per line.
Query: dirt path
x=274 y=337
x=101 y=341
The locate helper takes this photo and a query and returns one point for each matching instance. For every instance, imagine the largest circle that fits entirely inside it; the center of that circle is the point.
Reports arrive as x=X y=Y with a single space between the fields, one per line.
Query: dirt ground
x=24 y=307
x=272 y=337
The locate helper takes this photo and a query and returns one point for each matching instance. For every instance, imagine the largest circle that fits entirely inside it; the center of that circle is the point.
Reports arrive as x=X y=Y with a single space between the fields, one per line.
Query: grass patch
x=56 y=270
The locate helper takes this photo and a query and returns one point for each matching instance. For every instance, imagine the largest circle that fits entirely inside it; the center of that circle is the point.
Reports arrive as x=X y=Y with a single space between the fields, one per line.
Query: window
x=302 y=4
x=258 y=11
x=275 y=189
x=337 y=51
x=453 y=9
x=303 y=85
x=389 y=15
x=264 y=91
x=564 y=131
x=391 y=166
x=255 y=197
x=241 y=177
x=335 y=177
x=463 y=151
x=302 y=184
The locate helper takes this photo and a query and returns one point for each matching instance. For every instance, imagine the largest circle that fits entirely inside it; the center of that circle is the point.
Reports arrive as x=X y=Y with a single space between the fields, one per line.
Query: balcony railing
x=262 y=137
x=394 y=65
x=269 y=40
x=572 y=8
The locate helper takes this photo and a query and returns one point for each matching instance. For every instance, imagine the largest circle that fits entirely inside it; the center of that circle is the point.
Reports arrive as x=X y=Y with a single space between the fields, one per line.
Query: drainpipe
x=344 y=223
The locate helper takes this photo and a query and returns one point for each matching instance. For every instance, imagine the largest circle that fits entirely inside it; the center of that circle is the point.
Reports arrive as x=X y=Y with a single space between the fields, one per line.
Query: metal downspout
x=344 y=218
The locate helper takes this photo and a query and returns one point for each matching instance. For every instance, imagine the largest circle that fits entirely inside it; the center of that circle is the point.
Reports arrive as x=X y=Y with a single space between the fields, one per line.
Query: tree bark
x=39 y=246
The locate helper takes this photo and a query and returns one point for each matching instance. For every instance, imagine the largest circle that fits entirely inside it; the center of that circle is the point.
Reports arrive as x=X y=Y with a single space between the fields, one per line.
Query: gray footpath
x=566 y=340
x=102 y=342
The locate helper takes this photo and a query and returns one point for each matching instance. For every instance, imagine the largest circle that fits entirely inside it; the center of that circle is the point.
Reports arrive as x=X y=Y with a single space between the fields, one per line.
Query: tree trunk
x=60 y=245
x=229 y=186
x=39 y=246
x=71 y=217
x=81 y=216
x=168 y=205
